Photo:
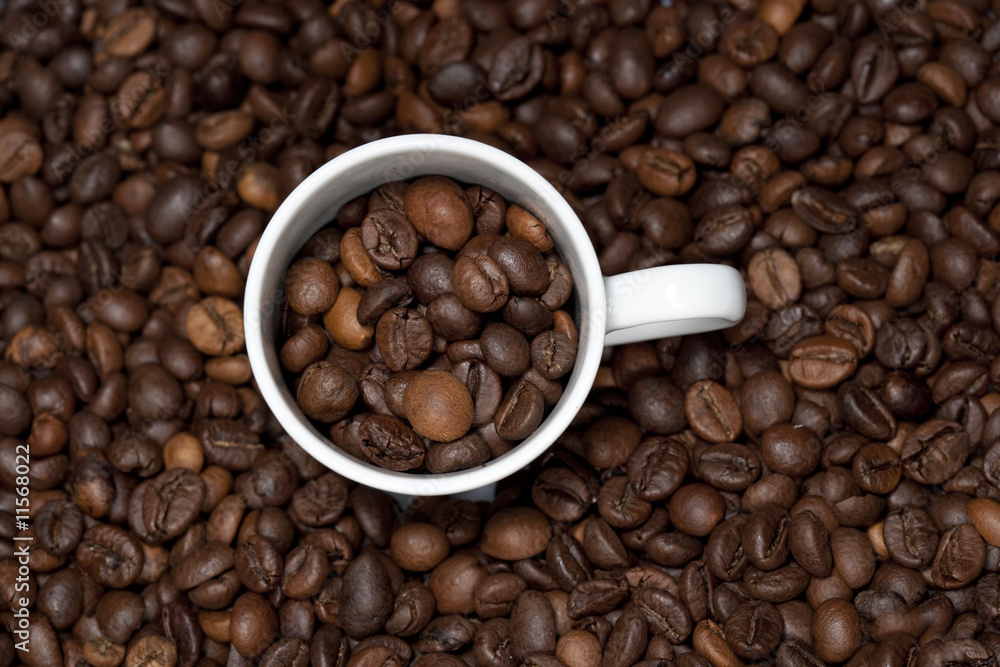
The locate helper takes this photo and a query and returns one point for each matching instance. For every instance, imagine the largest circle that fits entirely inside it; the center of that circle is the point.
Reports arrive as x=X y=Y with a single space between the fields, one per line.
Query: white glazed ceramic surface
x=693 y=297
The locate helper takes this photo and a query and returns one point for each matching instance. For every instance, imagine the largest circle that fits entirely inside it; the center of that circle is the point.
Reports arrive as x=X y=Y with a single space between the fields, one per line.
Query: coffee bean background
x=817 y=485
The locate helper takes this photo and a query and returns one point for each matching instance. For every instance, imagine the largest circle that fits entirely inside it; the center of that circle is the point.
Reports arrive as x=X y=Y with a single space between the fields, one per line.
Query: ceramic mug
x=641 y=305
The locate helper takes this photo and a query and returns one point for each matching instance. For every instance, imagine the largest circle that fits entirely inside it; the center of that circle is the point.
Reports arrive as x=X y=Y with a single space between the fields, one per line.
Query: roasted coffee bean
x=754 y=629
x=665 y=614
x=775 y=278
x=934 y=450
x=383 y=296
x=258 y=564
x=326 y=392
x=466 y=452
x=390 y=239
x=862 y=409
x=712 y=412
x=109 y=555
x=390 y=443
x=822 y=362
x=311 y=286
x=657 y=468
x=520 y=412
x=765 y=537
x=404 y=338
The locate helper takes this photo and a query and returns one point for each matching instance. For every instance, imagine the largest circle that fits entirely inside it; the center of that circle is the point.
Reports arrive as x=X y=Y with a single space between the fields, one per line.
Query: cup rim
x=588 y=283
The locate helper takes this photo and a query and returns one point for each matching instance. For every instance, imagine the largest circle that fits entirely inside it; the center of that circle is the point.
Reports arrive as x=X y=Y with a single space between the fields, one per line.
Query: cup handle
x=673 y=300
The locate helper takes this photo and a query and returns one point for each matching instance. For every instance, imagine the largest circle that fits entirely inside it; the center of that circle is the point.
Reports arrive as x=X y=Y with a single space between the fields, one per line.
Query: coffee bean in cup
x=437 y=340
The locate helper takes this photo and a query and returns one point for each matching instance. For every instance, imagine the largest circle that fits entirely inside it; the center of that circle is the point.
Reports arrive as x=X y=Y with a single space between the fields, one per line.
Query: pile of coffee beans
x=816 y=486
x=451 y=325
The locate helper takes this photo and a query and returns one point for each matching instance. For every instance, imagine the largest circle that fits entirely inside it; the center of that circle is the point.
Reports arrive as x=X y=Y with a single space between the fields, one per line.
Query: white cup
x=642 y=305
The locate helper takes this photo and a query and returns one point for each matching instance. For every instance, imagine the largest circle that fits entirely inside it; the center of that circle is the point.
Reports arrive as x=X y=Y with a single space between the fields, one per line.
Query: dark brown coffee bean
x=561 y=494
x=404 y=338
x=109 y=555
x=307 y=346
x=258 y=564
x=526 y=271
x=366 y=597
x=836 y=630
x=326 y=392
x=452 y=320
x=430 y=276
x=466 y=452
x=934 y=451
x=390 y=443
x=790 y=450
x=775 y=278
x=532 y=624
x=228 y=443
x=517 y=68
x=438 y=405
x=383 y=296
x=505 y=349
x=484 y=385
x=390 y=239
x=822 y=362
x=597 y=596
x=171 y=502
x=664 y=613
x=520 y=412
x=311 y=286
x=712 y=412
x=754 y=629
x=480 y=282
x=863 y=410
x=765 y=537
x=254 y=624
x=657 y=468
x=438 y=209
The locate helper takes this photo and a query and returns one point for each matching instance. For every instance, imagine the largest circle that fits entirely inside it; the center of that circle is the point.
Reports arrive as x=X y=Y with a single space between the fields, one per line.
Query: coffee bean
x=712 y=412
x=466 y=452
x=390 y=443
x=480 y=283
x=934 y=450
x=520 y=412
x=822 y=362
x=516 y=534
x=697 y=509
x=754 y=629
x=404 y=338
x=666 y=173
x=253 y=625
x=438 y=405
x=311 y=286
x=171 y=502
x=215 y=326
x=774 y=277
x=326 y=392
x=109 y=555
x=523 y=265
x=439 y=210
x=517 y=69
x=790 y=450
x=390 y=239
x=835 y=630
x=862 y=409
x=505 y=349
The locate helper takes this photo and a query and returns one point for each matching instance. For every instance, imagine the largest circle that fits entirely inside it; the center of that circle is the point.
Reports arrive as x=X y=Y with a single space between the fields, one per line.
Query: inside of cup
x=314 y=205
